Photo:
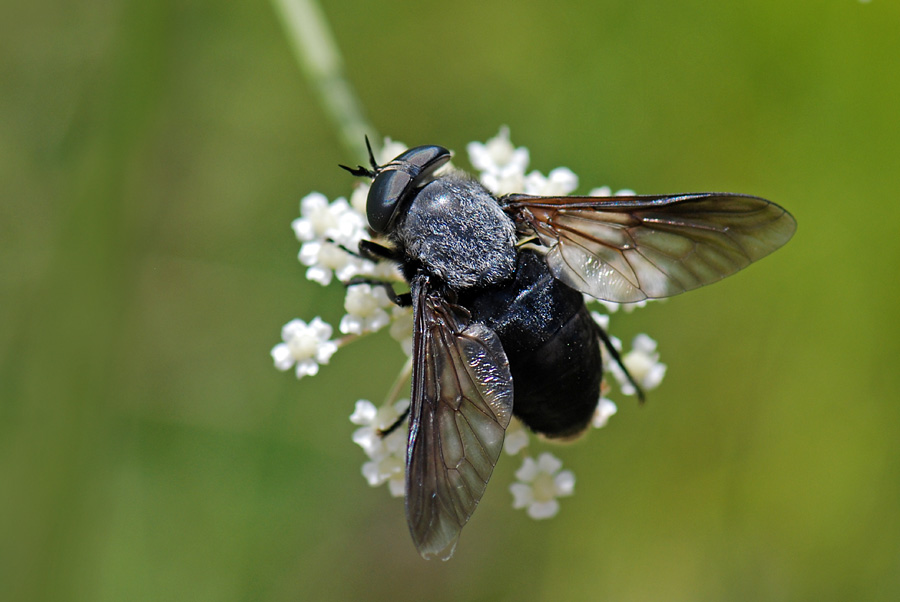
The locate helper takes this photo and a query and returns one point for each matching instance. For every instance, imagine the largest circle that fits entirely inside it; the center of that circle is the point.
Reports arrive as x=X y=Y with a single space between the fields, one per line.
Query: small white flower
x=516 y=438
x=498 y=155
x=387 y=453
x=560 y=182
x=607 y=191
x=630 y=307
x=643 y=364
x=365 y=305
x=605 y=410
x=402 y=328
x=374 y=421
x=388 y=466
x=501 y=184
x=390 y=150
x=364 y=413
x=540 y=484
x=359 y=198
x=306 y=345
x=325 y=259
x=319 y=219
x=389 y=469
x=602 y=320
x=502 y=166
x=315 y=217
x=612 y=307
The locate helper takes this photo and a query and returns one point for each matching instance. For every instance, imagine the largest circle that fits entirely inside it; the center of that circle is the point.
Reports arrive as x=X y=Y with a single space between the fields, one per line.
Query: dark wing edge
x=462 y=395
x=631 y=248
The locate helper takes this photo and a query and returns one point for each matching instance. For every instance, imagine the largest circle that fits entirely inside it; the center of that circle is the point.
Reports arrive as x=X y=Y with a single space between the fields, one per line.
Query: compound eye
x=398 y=181
x=424 y=161
x=384 y=195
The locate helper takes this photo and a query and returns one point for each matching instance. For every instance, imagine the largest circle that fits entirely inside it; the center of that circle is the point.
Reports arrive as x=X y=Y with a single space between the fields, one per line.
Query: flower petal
x=281 y=354
x=543 y=510
x=528 y=470
x=363 y=412
x=548 y=463
x=515 y=441
x=522 y=495
x=397 y=485
x=565 y=483
x=605 y=410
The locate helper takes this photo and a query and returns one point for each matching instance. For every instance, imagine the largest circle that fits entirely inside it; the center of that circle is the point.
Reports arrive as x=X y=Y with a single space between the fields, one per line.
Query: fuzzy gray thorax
x=456 y=230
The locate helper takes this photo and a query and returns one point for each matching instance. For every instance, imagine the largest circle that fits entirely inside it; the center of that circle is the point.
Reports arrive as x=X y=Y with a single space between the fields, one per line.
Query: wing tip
x=432 y=552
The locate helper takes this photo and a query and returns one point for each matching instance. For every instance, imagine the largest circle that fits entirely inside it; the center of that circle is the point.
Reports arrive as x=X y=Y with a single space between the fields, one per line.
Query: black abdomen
x=552 y=346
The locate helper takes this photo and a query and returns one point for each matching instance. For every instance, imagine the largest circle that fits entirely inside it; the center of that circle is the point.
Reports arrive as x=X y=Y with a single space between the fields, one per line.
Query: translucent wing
x=462 y=396
x=628 y=249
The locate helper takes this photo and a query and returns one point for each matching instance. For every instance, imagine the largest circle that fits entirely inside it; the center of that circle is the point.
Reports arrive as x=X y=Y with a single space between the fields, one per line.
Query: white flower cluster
x=329 y=233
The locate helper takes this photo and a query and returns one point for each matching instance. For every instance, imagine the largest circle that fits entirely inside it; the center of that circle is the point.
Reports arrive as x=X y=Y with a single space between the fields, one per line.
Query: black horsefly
x=497 y=283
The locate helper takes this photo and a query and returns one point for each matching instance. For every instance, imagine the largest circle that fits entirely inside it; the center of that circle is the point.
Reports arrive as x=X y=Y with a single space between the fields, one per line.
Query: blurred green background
x=153 y=155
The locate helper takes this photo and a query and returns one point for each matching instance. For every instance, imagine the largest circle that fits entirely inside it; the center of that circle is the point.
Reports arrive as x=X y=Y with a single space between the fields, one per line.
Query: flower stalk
x=319 y=57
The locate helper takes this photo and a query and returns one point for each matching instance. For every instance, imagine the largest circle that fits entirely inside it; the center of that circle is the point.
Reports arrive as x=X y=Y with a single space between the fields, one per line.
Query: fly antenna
x=372 y=162
x=359 y=170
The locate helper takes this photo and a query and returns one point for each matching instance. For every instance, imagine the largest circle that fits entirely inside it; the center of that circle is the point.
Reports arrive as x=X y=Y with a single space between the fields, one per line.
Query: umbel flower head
x=329 y=233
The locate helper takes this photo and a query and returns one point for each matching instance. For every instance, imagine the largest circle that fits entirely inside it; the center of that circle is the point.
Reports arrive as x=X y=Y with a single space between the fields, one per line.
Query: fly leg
x=375 y=252
x=369 y=250
x=401 y=380
x=403 y=299
x=397 y=423
x=614 y=353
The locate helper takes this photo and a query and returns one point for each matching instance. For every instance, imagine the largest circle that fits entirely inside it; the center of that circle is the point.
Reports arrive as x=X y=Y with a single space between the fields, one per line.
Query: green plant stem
x=318 y=55
x=401 y=380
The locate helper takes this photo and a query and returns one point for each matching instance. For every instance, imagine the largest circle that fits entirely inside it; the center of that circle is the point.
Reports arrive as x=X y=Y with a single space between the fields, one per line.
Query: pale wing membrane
x=462 y=396
x=627 y=249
